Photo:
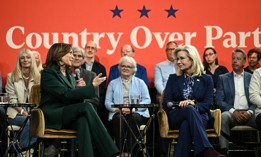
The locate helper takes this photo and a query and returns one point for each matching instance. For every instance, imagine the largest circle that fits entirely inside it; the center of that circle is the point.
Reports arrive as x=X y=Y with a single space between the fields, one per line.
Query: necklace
x=26 y=78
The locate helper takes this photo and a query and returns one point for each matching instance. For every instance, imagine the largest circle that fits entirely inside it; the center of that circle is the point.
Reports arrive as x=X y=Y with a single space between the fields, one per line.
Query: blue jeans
x=24 y=136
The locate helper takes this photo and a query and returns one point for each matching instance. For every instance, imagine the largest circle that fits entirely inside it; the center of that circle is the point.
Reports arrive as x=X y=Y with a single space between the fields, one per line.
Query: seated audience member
x=210 y=62
x=163 y=69
x=63 y=106
x=121 y=91
x=38 y=60
x=18 y=88
x=86 y=75
x=192 y=90
x=128 y=50
x=93 y=65
x=253 y=56
x=255 y=95
x=232 y=98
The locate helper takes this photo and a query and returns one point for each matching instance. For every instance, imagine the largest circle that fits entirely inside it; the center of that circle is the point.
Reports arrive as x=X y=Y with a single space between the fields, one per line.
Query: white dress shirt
x=240 y=102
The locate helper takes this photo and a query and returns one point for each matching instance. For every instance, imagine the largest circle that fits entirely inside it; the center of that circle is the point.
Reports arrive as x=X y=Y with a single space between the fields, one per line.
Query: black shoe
x=224 y=151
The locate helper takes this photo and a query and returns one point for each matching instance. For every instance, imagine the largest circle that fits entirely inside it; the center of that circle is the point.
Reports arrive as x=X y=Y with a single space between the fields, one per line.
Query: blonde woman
x=38 y=60
x=192 y=91
x=18 y=87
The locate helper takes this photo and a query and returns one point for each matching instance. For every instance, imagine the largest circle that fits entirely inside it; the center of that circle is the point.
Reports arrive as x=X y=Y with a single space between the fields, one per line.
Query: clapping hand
x=98 y=80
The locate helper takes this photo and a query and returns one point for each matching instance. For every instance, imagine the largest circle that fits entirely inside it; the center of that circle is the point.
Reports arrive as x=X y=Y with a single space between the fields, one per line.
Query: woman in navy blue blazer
x=192 y=91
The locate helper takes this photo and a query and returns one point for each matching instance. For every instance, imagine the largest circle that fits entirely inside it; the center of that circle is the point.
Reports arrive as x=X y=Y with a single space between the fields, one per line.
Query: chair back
x=35 y=95
x=37 y=123
x=165 y=132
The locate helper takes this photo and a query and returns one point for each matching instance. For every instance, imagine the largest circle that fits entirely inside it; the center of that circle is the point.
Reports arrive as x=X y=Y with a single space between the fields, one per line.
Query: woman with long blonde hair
x=18 y=88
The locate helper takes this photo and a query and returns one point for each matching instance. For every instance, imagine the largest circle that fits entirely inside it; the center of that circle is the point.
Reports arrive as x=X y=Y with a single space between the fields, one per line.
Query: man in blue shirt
x=128 y=50
x=163 y=69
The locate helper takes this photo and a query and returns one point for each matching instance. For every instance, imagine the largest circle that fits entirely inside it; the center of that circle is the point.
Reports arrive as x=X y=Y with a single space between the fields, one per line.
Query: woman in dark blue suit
x=192 y=91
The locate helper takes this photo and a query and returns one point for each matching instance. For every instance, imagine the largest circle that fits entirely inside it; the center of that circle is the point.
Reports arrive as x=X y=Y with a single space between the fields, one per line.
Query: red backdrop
x=147 y=25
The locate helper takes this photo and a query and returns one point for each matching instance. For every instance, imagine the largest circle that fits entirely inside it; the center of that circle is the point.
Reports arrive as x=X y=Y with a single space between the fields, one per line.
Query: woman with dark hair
x=210 y=62
x=63 y=106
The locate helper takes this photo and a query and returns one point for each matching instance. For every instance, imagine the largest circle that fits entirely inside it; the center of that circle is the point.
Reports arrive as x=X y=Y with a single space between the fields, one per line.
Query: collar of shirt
x=171 y=63
x=92 y=61
x=238 y=75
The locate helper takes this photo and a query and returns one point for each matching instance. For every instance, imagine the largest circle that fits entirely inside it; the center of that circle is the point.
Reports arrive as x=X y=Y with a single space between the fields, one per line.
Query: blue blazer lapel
x=246 y=84
x=181 y=81
x=197 y=87
x=231 y=84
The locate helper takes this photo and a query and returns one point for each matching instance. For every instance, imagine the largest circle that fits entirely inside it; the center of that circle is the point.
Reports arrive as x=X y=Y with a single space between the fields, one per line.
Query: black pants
x=258 y=122
x=126 y=140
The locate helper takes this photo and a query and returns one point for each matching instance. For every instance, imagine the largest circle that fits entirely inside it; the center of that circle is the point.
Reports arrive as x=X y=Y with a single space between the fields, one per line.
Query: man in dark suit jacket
x=87 y=75
x=128 y=50
x=233 y=98
x=92 y=65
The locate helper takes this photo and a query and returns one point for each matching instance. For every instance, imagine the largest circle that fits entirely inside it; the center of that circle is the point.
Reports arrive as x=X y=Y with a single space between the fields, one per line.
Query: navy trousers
x=191 y=128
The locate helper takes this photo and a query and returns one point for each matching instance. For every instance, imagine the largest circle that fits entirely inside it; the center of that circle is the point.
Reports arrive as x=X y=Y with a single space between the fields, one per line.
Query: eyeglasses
x=210 y=54
x=78 y=56
x=170 y=49
x=91 y=48
x=126 y=66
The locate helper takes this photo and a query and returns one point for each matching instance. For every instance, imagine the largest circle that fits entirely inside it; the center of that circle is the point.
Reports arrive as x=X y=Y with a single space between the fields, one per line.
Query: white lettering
x=9 y=37
x=29 y=40
x=47 y=42
x=84 y=35
x=114 y=42
x=158 y=38
x=230 y=41
x=66 y=38
x=242 y=38
x=97 y=37
x=209 y=34
x=256 y=39
x=134 y=37
x=141 y=37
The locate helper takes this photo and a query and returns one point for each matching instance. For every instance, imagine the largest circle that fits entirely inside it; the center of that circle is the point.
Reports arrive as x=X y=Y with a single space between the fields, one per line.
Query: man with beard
x=253 y=56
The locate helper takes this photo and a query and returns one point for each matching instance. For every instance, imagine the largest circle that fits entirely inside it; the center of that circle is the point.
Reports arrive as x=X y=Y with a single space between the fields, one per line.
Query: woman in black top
x=210 y=62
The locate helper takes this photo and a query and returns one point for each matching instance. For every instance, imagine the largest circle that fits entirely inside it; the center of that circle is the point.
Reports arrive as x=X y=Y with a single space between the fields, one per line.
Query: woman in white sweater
x=18 y=88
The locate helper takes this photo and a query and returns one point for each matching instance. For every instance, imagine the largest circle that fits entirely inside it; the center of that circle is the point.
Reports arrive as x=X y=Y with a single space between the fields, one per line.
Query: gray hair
x=78 y=49
x=129 y=60
x=241 y=51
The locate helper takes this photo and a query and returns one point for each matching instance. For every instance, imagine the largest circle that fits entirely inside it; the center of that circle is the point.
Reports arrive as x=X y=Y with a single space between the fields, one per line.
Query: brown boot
x=211 y=152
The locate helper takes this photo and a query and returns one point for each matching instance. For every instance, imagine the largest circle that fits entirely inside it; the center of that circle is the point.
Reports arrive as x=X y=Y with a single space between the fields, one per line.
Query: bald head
x=127 y=50
x=90 y=49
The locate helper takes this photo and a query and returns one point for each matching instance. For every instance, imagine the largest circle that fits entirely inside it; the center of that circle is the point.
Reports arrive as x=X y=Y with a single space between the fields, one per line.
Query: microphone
x=77 y=72
x=172 y=104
